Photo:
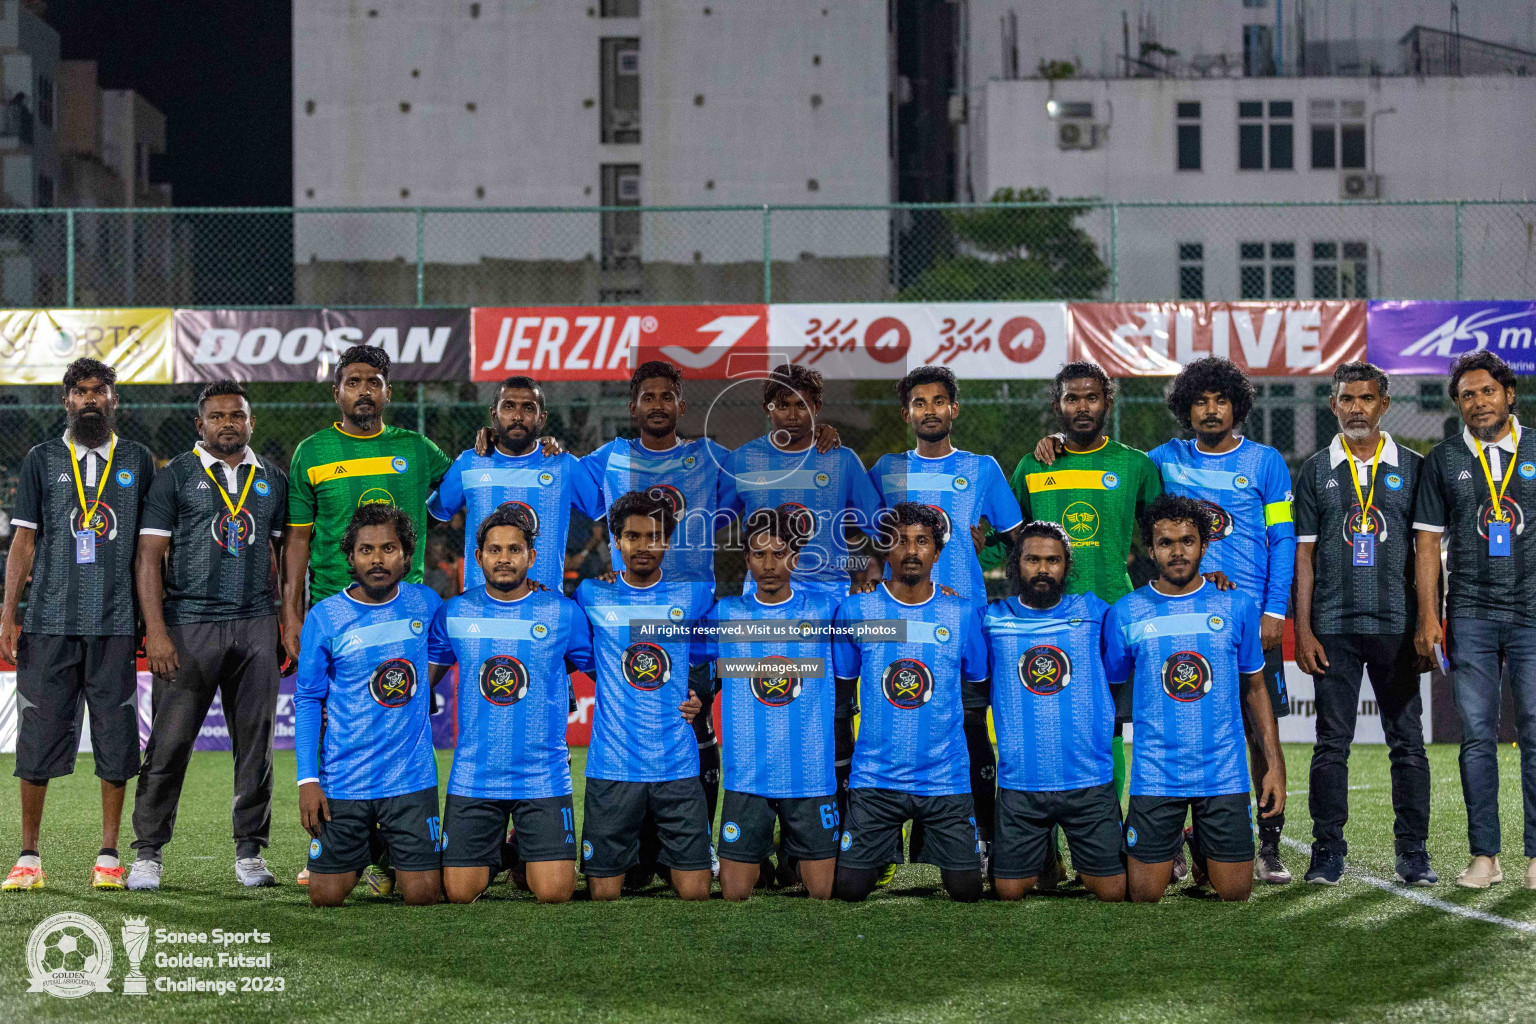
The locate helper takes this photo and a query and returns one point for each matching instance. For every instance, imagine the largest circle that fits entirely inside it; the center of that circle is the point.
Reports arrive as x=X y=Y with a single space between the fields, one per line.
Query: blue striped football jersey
x=777 y=739
x=546 y=488
x=513 y=690
x=964 y=487
x=367 y=664
x=1185 y=658
x=641 y=672
x=911 y=711
x=1051 y=703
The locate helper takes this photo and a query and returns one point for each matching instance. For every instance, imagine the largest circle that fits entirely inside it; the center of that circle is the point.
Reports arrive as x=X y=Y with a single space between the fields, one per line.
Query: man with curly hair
x=1245 y=490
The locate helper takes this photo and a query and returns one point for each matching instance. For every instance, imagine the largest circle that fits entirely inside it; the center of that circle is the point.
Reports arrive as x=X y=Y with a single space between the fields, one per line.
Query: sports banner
x=607 y=342
x=302 y=345
x=1427 y=337
x=1265 y=339
x=37 y=344
x=977 y=340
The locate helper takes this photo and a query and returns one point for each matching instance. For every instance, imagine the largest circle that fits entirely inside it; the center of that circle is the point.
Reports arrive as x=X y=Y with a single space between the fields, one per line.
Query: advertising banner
x=980 y=340
x=37 y=344
x=1265 y=339
x=1427 y=337
x=302 y=345
x=607 y=342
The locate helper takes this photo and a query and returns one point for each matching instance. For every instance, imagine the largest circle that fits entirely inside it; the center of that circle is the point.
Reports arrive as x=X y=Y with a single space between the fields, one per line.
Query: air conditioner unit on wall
x=1359 y=185
x=1077 y=135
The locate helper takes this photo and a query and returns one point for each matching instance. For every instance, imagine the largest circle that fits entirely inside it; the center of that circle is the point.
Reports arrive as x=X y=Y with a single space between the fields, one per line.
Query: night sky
x=220 y=70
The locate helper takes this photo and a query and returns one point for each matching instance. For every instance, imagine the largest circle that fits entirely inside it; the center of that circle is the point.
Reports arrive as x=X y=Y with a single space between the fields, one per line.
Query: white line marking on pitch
x=1419 y=897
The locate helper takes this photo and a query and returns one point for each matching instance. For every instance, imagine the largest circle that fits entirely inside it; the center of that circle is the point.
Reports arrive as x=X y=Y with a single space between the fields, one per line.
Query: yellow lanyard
x=1498 y=495
x=234 y=510
x=101 y=483
x=1354 y=478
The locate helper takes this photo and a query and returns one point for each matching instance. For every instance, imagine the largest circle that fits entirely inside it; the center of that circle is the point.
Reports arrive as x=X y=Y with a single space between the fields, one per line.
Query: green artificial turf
x=1296 y=953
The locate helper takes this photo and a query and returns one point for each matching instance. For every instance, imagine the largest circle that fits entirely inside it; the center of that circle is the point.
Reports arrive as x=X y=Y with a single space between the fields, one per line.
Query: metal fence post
x=767 y=257
x=1458 y=249
x=421 y=264
x=1114 y=260
x=69 y=257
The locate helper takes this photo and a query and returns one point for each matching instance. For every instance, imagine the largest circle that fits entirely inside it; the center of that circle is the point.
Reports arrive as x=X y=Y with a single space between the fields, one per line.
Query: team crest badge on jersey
x=523 y=507
x=961 y=483
x=375 y=496
x=262 y=488
x=545 y=479
x=539 y=631
x=822 y=479
x=1221 y=521
x=1045 y=670
x=1217 y=623
x=1074 y=622
x=949 y=528
x=1527 y=470
x=646 y=666
x=1081 y=520
x=103 y=521
x=801 y=519
x=1355 y=523
x=689 y=461
x=941 y=634
x=1240 y=481
x=417 y=626
x=675 y=613
x=1186 y=676
x=730 y=832
x=244 y=526
x=314 y=848
x=804 y=628
x=846 y=841
x=125 y=478
x=393 y=683
x=503 y=680
x=1395 y=482
x=1513 y=514
x=776 y=691
x=672 y=496
x=1110 y=481
x=907 y=683
x=399 y=464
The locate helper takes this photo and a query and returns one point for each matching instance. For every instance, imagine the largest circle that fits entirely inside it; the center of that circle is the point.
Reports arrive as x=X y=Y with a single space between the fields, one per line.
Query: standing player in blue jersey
x=643 y=761
x=1055 y=717
x=519 y=471
x=1245 y=489
x=825 y=495
x=965 y=489
x=778 y=725
x=1191 y=655
x=915 y=658
x=511 y=643
x=363 y=656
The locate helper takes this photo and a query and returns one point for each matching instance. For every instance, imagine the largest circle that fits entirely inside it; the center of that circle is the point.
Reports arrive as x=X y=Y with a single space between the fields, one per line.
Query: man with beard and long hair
x=1054 y=715
x=213 y=521
x=1477 y=487
x=1191 y=655
x=518 y=471
x=79 y=504
x=1355 y=614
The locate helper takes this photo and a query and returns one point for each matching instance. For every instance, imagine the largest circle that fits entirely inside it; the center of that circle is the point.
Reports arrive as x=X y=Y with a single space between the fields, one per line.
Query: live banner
x=1265 y=339
x=36 y=345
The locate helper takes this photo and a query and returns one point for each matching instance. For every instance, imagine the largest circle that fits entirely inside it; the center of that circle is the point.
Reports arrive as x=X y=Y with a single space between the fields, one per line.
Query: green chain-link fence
x=580 y=256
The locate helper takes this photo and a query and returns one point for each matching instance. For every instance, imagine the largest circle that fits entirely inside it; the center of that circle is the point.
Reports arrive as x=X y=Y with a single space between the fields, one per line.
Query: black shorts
x=474 y=829
x=873 y=829
x=53 y=673
x=1089 y=817
x=1154 y=827
x=612 y=813
x=808 y=826
x=408 y=824
x=1274 y=682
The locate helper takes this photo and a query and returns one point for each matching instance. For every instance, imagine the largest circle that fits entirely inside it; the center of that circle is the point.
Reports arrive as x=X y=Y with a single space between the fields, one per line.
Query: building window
x=621 y=91
x=1338 y=134
x=1266 y=270
x=1191 y=270
x=45 y=100
x=620 y=8
x=621 y=228
x=1258 y=51
x=1266 y=129
x=1339 y=270
x=1188 y=130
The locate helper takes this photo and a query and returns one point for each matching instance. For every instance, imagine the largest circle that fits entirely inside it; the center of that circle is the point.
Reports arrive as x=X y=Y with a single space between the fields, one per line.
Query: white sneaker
x=252 y=872
x=145 y=875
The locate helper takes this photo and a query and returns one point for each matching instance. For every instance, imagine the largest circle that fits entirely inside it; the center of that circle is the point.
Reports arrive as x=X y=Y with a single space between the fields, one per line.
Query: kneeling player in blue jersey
x=363 y=657
x=511 y=643
x=777 y=724
x=1055 y=719
x=1195 y=664
x=644 y=759
x=915 y=657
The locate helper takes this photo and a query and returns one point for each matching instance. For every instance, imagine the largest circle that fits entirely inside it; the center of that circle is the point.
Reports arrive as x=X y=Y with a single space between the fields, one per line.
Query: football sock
x=29 y=859
x=709 y=778
x=983 y=772
x=107 y=858
x=1270 y=828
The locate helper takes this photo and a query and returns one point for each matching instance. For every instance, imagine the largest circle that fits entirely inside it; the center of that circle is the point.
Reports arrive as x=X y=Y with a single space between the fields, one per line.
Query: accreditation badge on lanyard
x=234 y=543
x=1498 y=526
x=85 y=537
x=1363 y=531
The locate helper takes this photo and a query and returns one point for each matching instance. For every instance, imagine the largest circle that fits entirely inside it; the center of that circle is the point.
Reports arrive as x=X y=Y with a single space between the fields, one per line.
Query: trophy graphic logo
x=135 y=934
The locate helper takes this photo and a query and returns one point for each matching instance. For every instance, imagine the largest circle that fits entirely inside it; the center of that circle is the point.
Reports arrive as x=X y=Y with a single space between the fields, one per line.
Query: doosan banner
x=302 y=345
x=1427 y=337
x=1266 y=339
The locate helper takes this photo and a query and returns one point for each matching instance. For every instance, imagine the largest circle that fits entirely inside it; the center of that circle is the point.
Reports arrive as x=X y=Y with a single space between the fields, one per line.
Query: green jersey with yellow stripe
x=333 y=473
x=1096 y=497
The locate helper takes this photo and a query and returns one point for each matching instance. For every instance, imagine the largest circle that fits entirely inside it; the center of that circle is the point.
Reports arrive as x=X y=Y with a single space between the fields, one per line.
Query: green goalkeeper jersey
x=1096 y=496
x=333 y=473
